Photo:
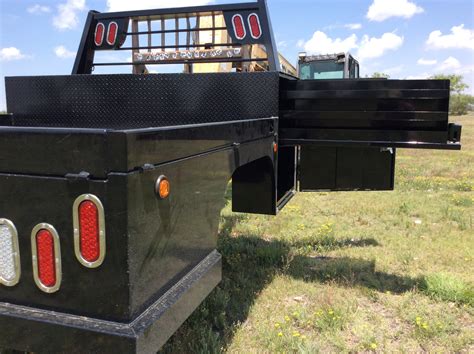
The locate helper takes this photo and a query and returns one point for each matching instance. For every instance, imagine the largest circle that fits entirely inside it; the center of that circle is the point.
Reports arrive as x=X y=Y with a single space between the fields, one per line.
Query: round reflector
x=46 y=258
x=89 y=230
x=239 y=27
x=99 y=34
x=255 y=28
x=112 y=33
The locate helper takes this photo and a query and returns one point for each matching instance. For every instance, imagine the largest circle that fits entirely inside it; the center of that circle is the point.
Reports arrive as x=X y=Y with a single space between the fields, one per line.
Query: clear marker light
x=9 y=254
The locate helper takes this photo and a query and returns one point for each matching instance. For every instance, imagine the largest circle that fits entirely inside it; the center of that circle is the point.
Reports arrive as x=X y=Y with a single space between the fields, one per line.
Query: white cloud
x=449 y=64
x=38 y=9
x=418 y=77
x=320 y=43
x=459 y=37
x=380 y=10
x=67 y=14
x=372 y=47
x=11 y=53
x=62 y=52
x=353 y=26
x=368 y=47
x=125 y=5
x=422 y=61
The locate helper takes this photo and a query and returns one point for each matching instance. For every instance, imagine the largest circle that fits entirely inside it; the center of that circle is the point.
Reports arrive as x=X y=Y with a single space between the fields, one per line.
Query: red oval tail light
x=89 y=230
x=99 y=34
x=46 y=261
x=112 y=33
x=46 y=257
x=239 y=26
x=254 y=24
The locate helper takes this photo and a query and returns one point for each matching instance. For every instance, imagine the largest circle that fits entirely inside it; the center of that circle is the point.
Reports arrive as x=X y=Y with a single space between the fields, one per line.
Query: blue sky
x=404 y=38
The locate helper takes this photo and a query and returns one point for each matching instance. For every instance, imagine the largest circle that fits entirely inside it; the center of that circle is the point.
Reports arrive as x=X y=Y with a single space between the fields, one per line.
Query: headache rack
x=238 y=36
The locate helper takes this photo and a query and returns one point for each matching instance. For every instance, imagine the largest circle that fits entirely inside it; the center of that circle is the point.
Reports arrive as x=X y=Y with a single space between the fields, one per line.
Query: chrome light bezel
x=57 y=257
x=77 y=233
x=16 y=253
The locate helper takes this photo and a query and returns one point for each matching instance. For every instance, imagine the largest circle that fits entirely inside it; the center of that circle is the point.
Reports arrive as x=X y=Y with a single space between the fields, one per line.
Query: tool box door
x=366 y=112
x=346 y=168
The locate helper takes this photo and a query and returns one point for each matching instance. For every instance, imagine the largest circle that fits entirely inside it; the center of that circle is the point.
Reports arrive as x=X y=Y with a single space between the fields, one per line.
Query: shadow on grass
x=349 y=272
x=249 y=265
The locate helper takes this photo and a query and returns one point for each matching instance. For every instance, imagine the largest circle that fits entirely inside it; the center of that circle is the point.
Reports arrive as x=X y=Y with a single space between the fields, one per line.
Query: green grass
x=356 y=271
x=448 y=288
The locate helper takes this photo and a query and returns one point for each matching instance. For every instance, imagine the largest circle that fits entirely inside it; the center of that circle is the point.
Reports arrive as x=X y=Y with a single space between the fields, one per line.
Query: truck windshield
x=327 y=69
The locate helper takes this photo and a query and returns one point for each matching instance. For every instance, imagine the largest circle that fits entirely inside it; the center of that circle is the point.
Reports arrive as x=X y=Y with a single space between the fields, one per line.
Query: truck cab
x=327 y=66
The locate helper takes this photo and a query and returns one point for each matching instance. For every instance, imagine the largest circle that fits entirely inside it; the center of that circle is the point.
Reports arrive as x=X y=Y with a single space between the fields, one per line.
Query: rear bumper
x=35 y=330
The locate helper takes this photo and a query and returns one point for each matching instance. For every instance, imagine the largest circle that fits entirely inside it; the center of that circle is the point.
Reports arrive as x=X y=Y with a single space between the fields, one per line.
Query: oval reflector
x=99 y=34
x=239 y=27
x=46 y=257
x=254 y=24
x=89 y=231
x=112 y=33
x=9 y=254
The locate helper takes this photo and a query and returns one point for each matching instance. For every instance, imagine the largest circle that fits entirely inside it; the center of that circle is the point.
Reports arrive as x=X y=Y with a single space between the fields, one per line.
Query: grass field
x=357 y=271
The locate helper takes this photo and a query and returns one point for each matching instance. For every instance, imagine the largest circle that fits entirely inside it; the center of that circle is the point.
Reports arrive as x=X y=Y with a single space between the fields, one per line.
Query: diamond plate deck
x=140 y=101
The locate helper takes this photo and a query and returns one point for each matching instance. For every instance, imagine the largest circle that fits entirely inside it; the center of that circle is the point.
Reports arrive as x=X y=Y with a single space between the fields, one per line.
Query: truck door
x=346 y=132
x=353 y=68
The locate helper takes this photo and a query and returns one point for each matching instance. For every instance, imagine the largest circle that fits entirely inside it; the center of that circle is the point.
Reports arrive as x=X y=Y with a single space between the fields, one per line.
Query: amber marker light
x=275 y=148
x=162 y=187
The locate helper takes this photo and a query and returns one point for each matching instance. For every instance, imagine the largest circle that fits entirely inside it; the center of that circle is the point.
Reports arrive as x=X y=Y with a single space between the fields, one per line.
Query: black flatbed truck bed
x=114 y=137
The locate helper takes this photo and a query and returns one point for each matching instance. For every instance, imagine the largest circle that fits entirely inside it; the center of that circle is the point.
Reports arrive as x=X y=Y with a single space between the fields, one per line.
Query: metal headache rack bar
x=198 y=35
x=183 y=61
x=181 y=46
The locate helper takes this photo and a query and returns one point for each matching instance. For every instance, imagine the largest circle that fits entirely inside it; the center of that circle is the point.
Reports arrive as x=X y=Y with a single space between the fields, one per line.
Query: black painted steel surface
x=59 y=152
x=43 y=331
x=346 y=168
x=113 y=136
x=398 y=113
x=127 y=101
x=152 y=244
